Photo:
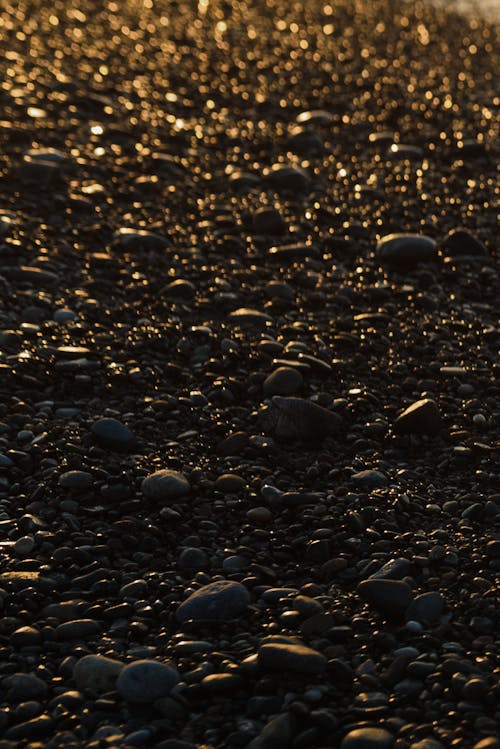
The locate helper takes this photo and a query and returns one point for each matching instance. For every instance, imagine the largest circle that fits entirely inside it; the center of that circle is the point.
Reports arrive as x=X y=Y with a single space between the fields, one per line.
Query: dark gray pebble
x=219 y=600
x=145 y=681
x=426 y=608
x=389 y=597
x=367 y=738
x=283 y=381
x=422 y=417
x=403 y=250
x=113 y=435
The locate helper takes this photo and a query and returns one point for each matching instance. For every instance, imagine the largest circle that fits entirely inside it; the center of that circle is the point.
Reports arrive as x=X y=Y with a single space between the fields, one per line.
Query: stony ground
x=248 y=439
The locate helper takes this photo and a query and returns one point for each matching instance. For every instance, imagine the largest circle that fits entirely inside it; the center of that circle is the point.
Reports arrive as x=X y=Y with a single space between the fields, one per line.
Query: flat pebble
x=290 y=656
x=389 y=597
x=367 y=738
x=219 y=600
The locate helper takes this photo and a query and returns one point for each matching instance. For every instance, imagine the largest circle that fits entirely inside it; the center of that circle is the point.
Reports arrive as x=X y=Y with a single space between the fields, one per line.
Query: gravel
x=248 y=376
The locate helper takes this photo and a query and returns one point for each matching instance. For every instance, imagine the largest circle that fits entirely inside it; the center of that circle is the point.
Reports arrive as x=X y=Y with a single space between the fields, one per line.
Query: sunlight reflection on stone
x=203 y=7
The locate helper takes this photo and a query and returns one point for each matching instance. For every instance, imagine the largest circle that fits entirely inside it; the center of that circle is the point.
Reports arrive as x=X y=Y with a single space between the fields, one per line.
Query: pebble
x=164 y=485
x=20 y=687
x=269 y=220
x=370 y=478
x=367 y=738
x=220 y=600
x=389 y=597
x=24 y=545
x=145 y=681
x=422 y=417
x=278 y=733
x=75 y=481
x=250 y=318
x=230 y=483
x=113 y=435
x=426 y=608
x=96 y=673
x=301 y=419
x=78 y=629
x=402 y=250
x=280 y=655
x=460 y=242
x=283 y=381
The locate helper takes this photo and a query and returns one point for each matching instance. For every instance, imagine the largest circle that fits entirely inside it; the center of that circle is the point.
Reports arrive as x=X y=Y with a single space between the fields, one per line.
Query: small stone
x=230 y=483
x=269 y=221
x=221 y=600
x=165 y=485
x=64 y=315
x=427 y=743
x=302 y=419
x=426 y=608
x=460 y=242
x=286 y=178
x=422 y=417
x=390 y=598
x=406 y=249
x=78 y=629
x=277 y=734
x=367 y=738
x=75 y=481
x=283 y=381
x=24 y=545
x=193 y=559
x=96 y=673
x=25 y=637
x=250 y=318
x=145 y=681
x=22 y=687
x=394 y=569
x=112 y=435
x=280 y=655
x=370 y=478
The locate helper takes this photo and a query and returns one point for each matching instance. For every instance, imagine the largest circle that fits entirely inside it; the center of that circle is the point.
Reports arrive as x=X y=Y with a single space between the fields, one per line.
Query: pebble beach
x=249 y=375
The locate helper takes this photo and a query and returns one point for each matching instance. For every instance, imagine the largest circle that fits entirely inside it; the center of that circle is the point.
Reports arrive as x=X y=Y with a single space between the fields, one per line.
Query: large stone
x=165 y=485
x=223 y=599
x=406 y=249
x=283 y=381
x=390 y=598
x=459 y=242
x=96 y=673
x=145 y=681
x=422 y=417
x=367 y=738
x=279 y=655
x=300 y=419
x=426 y=608
x=112 y=435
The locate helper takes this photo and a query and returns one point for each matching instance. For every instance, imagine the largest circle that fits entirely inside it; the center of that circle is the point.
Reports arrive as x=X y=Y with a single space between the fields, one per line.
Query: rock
x=145 y=681
x=370 y=478
x=25 y=637
x=280 y=655
x=292 y=253
x=35 y=728
x=283 y=381
x=75 y=481
x=318 y=116
x=113 y=435
x=394 y=569
x=180 y=290
x=269 y=221
x=367 y=738
x=220 y=600
x=96 y=673
x=422 y=417
x=233 y=444
x=285 y=178
x=426 y=608
x=78 y=629
x=21 y=687
x=390 y=598
x=459 y=242
x=250 y=318
x=139 y=239
x=403 y=250
x=230 y=483
x=427 y=744
x=193 y=558
x=277 y=734
x=165 y=485
x=301 y=419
